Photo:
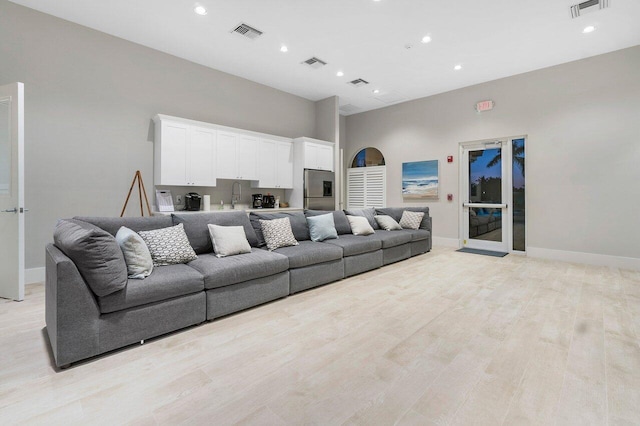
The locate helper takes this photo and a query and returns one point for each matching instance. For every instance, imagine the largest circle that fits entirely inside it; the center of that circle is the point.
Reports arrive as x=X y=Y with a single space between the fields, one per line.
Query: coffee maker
x=257 y=201
x=192 y=201
x=268 y=201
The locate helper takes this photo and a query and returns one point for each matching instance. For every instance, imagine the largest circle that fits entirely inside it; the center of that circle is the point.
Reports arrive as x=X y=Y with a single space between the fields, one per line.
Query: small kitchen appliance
x=257 y=201
x=192 y=201
x=268 y=201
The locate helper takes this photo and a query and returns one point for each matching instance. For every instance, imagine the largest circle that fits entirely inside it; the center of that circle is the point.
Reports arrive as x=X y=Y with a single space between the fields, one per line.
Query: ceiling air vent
x=587 y=6
x=247 y=31
x=315 y=62
x=358 y=82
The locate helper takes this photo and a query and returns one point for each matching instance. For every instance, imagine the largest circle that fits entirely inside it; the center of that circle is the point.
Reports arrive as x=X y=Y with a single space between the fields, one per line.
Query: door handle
x=13 y=210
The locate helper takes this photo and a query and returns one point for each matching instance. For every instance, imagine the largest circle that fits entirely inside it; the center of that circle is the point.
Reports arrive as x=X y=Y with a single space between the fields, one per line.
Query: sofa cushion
x=339 y=219
x=411 y=220
x=297 y=219
x=137 y=224
x=322 y=227
x=168 y=246
x=195 y=226
x=392 y=238
x=418 y=234
x=310 y=253
x=223 y=271
x=96 y=254
x=396 y=213
x=360 y=225
x=368 y=213
x=136 y=253
x=387 y=222
x=165 y=282
x=356 y=244
x=228 y=240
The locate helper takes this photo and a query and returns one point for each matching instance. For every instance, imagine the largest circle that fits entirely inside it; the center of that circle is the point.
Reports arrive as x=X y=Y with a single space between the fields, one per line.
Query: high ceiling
x=378 y=41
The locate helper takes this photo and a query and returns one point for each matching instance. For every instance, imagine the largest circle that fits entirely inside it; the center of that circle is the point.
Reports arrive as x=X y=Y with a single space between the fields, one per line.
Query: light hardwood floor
x=442 y=338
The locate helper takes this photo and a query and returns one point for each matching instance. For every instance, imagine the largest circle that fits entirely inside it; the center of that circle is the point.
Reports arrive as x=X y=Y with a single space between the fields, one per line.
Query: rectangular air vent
x=314 y=62
x=358 y=82
x=247 y=31
x=587 y=6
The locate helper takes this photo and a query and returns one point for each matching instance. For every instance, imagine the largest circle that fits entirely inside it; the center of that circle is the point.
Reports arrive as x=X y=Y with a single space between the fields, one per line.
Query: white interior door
x=12 y=191
x=485 y=191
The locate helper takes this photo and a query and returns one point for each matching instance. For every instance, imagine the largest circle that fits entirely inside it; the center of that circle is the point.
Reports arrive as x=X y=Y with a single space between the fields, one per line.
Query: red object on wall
x=449 y=158
x=450 y=197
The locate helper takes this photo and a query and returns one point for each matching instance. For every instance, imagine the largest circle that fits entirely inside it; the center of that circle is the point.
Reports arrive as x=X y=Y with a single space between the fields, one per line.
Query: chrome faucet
x=236 y=197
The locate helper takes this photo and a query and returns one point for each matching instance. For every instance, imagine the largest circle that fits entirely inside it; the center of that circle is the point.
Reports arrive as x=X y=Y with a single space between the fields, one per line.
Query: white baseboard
x=446 y=242
x=34 y=275
x=586 y=258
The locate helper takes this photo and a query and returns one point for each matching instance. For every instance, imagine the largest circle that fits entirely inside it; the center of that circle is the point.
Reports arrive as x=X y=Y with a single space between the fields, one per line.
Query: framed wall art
x=420 y=180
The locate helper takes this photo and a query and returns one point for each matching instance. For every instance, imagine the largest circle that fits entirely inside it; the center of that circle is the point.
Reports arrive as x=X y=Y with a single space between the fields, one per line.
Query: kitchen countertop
x=215 y=209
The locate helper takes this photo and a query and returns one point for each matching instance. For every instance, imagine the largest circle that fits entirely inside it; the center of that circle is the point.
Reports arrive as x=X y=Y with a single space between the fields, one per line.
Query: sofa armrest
x=71 y=311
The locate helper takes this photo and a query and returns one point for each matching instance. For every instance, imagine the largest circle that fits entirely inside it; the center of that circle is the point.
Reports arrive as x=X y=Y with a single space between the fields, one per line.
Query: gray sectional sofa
x=82 y=324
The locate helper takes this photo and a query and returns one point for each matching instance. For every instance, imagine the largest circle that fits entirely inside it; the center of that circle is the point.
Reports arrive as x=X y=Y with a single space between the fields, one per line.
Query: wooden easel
x=141 y=190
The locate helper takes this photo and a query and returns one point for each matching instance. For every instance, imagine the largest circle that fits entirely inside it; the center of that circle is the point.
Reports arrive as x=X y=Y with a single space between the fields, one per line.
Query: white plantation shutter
x=366 y=187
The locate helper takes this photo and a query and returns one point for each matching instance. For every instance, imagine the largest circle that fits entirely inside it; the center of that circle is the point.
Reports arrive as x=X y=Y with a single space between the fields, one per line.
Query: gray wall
x=583 y=149
x=328 y=129
x=89 y=99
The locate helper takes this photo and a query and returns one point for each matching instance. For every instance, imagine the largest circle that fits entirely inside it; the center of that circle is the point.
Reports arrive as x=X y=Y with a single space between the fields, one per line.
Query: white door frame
x=12 y=203
x=506 y=245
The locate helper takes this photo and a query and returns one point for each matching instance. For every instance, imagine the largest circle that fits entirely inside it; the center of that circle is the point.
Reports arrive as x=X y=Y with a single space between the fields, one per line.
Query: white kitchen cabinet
x=284 y=161
x=317 y=155
x=236 y=156
x=184 y=155
x=275 y=164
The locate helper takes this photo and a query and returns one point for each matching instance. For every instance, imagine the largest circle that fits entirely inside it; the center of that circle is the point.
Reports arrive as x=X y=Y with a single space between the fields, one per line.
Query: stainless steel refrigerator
x=319 y=190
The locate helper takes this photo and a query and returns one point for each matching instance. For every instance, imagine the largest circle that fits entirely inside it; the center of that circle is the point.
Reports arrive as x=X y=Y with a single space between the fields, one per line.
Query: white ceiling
x=364 y=38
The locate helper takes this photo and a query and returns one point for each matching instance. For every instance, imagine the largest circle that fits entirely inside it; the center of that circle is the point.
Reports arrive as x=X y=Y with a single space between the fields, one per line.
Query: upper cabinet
x=275 y=164
x=236 y=156
x=316 y=154
x=193 y=153
x=184 y=155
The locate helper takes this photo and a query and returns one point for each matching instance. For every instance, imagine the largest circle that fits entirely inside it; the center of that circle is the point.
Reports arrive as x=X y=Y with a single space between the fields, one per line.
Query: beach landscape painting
x=420 y=179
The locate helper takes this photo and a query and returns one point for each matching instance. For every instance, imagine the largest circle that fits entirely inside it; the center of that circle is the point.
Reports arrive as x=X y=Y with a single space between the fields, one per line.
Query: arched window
x=366 y=180
x=368 y=157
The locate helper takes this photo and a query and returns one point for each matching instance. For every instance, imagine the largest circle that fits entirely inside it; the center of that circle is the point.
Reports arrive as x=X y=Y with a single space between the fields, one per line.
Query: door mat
x=484 y=252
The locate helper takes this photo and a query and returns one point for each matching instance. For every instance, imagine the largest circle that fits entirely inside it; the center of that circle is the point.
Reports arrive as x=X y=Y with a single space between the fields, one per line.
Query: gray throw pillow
x=136 y=253
x=411 y=220
x=228 y=240
x=277 y=233
x=322 y=227
x=387 y=223
x=168 y=246
x=360 y=225
x=95 y=253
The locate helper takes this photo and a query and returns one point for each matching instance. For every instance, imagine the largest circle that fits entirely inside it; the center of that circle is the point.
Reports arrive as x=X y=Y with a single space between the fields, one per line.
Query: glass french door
x=485 y=188
x=493 y=193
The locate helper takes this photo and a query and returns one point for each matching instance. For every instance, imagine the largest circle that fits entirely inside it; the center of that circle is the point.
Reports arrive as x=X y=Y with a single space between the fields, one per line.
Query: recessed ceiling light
x=376 y=91
x=200 y=10
x=457 y=67
x=426 y=39
x=339 y=73
x=589 y=29
x=284 y=48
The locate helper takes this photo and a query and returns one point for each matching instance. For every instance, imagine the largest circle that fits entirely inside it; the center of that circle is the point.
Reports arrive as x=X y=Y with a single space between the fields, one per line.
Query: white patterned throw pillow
x=277 y=233
x=168 y=246
x=411 y=220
